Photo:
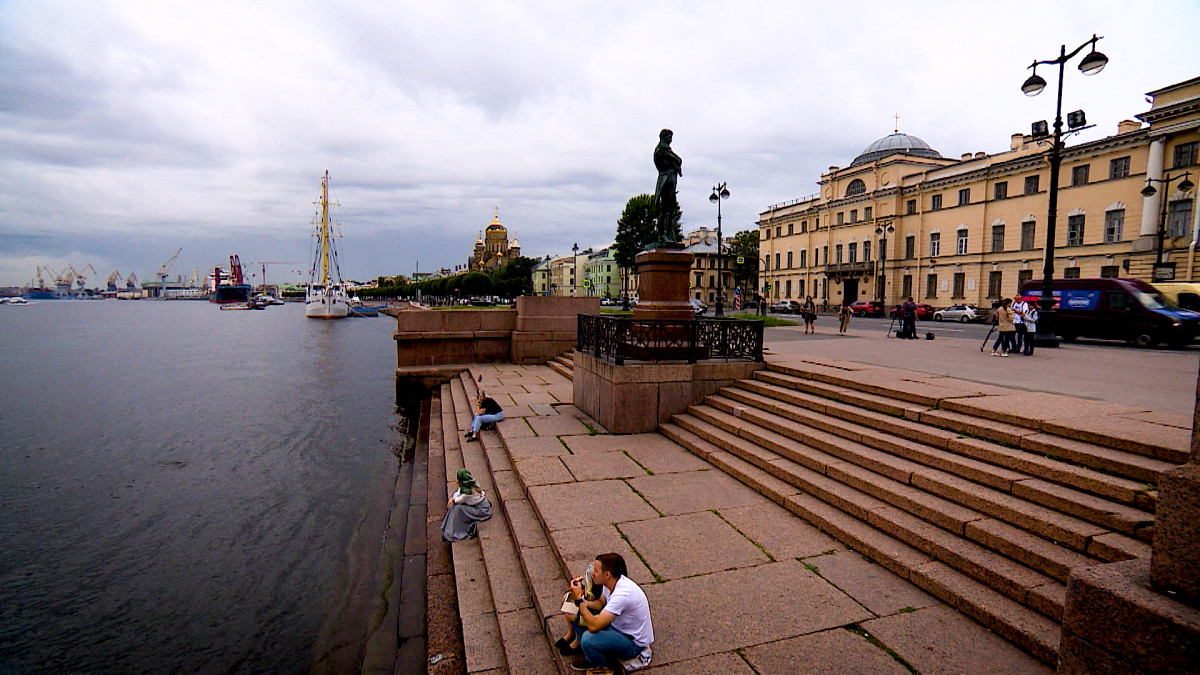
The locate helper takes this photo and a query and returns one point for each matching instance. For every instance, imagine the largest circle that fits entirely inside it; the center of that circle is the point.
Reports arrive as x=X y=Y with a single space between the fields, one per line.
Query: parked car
x=924 y=311
x=961 y=313
x=698 y=306
x=607 y=302
x=867 y=308
x=786 y=307
x=1117 y=309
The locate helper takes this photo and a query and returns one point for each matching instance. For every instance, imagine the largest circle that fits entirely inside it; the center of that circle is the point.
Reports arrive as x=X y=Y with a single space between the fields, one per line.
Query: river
x=184 y=489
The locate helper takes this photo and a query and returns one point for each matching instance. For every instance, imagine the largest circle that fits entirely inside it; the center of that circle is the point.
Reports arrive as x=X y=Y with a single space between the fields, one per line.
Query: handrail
x=617 y=338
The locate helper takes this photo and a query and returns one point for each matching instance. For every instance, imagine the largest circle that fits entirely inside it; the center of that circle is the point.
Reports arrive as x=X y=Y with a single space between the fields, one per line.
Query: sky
x=130 y=129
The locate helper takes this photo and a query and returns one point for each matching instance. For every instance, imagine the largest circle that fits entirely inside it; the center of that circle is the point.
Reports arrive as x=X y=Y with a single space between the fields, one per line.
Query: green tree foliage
x=745 y=274
x=515 y=278
x=635 y=229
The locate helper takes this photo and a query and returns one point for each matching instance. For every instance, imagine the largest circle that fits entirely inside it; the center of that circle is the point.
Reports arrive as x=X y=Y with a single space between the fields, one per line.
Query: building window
x=779 y=231
x=910 y=207
x=1179 y=216
x=841 y=217
x=803 y=226
x=910 y=247
x=789 y=259
x=935 y=245
x=997 y=238
x=699 y=279
x=1185 y=154
x=964 y=196
x=960 y=285
x=767 y=233
x=1031 y=184
x=837 y=254
x=854 y=215
x=931 y=286
x=1109 y=272
x=935 y=202
x=962 y=242
x=790 y=225
x=800 y=288
x=804 y=257
x=787 y=285
x=866 y=213
x=1000 y=190
x=1028 y=230
x=1114 y=222
x=1022 y=277
x=856 y=187
x=1118 y=168
x=1075 y=231
x=1079 y=174
x=1071 y=273
x=906 y=286
x=766 y=263
x=866 y=251
x=994 y=284
x=825 y=254
x=777 y=266
x=853 y=253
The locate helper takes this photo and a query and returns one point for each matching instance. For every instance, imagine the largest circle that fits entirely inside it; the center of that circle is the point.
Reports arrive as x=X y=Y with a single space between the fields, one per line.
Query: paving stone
x=547 y=581
x=830 y=652
x=726 y=663
x=514 y=410
x=513 y=429
x=525 y=646
x=940 y=640
x=744 y=607
x=779 y=532
x=562 y=392
x=543 y=409
x=876 y=588
x=505 y=576
x=578 y=547
x=666 y=457
x=508 y=485
x=534 y=398
x=542 y=471
x=1168 y=443
x=481 y=642
x=690 y=544
x=582 y=504
x=674 y=494
x=442 y=629
x=523 y=521
x=601 y=465
x=534 y=447
x=560 y=425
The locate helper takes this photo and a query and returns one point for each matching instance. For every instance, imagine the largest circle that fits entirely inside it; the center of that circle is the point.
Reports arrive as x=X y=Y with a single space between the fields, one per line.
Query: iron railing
x=617 y=338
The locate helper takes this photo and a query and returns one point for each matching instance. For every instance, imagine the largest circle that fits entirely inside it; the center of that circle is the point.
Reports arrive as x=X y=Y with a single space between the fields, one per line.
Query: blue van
x=1117 y=309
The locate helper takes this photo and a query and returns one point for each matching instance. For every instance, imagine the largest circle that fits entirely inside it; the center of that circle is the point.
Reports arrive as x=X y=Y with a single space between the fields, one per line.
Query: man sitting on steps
x=620 y=629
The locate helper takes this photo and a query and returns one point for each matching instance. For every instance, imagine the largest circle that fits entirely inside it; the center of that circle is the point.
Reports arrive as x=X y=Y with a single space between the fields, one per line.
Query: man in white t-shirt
x=621 y=629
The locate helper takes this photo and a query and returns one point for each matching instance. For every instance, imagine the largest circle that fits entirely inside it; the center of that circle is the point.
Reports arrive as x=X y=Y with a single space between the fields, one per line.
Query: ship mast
x=325 y=230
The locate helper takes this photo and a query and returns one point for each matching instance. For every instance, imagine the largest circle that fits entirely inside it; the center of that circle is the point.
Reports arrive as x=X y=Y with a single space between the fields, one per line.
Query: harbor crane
x=131 y=282
x=164 y=271
x=64 y=280
x=264 y=263
x=48 y=273
x=82 y=277
x=112 y=280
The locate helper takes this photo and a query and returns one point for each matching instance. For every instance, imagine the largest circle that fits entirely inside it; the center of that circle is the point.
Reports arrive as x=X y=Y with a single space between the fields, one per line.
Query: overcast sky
x=129 y=129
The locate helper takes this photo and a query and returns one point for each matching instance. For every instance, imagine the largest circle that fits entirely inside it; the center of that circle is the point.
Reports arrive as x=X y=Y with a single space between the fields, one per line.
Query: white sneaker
x=995 y=354
x=642 y=660
x=1005 y=355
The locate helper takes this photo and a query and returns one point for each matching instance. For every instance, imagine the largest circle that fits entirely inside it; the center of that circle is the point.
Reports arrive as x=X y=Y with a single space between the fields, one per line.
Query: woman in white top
x=465 y=510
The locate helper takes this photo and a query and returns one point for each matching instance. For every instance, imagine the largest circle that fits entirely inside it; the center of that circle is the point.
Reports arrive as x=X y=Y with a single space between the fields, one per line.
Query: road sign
x=741 y=260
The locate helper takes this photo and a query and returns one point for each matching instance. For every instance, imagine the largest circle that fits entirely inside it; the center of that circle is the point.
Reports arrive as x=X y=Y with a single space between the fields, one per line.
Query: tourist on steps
x=465 y=510
x=486 y=411
x=614 y=630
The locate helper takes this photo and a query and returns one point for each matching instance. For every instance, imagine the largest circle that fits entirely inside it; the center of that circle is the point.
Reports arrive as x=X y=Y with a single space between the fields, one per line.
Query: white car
x=698 y=306
x=961 y=313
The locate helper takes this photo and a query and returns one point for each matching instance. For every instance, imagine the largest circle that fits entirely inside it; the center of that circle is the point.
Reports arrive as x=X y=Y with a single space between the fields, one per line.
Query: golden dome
x=495 y=225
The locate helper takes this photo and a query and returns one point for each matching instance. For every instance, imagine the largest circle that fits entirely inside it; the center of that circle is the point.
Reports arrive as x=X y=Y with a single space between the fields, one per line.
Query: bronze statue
x=670 y=168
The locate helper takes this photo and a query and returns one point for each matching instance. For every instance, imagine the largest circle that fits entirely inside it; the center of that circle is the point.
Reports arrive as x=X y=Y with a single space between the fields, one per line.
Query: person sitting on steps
x=486 y=411
x=615 y=629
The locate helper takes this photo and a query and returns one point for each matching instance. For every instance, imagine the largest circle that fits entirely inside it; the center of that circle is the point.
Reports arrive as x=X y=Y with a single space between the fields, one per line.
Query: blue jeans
x=598 y=646
x=480 y=420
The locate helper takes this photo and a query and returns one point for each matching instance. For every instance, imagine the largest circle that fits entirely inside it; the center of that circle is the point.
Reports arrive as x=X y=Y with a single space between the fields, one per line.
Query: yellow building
x=493 y=248
x=970 y=230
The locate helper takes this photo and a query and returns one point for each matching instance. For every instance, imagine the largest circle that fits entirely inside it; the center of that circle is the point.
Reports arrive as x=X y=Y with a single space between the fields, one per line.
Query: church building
x=493 y=248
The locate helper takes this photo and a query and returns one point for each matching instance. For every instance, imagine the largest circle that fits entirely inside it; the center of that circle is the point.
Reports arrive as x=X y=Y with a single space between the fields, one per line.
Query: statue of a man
x=670 y=168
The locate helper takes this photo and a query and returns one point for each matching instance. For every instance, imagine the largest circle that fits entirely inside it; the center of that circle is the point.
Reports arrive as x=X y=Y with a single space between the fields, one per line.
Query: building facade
x=902 y=220
x=493 y=248
x=602 y=275
x=703 y=281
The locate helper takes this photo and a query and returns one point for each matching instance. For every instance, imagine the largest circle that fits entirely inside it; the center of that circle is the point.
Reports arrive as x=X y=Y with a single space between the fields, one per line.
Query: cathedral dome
x=895 y=144
x=495 y=224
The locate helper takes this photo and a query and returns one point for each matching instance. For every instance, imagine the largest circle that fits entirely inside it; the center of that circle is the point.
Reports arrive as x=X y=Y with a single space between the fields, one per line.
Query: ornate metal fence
x=617 y=338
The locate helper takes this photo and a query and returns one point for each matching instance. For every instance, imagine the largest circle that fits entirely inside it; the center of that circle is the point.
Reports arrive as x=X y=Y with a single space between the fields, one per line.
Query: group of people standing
x=1016 y=323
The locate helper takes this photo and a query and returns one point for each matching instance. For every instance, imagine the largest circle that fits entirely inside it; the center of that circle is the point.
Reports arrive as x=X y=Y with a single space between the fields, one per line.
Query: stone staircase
x=564 y=364
x=985 y=513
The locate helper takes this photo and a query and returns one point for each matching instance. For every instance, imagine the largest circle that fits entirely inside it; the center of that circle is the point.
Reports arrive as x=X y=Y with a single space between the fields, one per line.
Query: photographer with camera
x=614 y=628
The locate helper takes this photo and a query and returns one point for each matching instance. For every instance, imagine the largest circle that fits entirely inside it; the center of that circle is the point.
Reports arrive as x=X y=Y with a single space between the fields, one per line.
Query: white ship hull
x=331 y=304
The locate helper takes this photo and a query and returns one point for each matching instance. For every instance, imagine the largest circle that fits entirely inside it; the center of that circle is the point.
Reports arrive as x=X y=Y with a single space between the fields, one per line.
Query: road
x=1160 y=380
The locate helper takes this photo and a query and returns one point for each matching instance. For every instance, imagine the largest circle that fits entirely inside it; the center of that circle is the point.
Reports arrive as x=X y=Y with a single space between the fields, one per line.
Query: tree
x=636 y=230
x=514 y=278
x=745 y=273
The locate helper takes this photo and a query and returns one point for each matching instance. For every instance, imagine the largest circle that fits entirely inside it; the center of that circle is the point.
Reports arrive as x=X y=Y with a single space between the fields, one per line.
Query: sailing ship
x=326 y=297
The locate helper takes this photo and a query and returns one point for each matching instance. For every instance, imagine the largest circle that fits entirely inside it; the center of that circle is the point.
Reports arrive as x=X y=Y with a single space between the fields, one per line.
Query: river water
x=184 y=489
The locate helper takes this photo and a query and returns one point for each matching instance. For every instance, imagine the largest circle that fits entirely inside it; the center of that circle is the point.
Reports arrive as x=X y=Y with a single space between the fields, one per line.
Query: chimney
x=1126 y=126
x=980 y=155
x=1017 y=141
x=966 y=156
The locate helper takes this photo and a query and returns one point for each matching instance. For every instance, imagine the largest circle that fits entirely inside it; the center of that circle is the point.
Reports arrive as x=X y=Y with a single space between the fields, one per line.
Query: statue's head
x=666 y=135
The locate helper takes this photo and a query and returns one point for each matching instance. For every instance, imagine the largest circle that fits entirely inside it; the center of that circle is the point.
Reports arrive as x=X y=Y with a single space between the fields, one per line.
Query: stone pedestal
x=663 y=285
x=1176 y=560
x=632 y=399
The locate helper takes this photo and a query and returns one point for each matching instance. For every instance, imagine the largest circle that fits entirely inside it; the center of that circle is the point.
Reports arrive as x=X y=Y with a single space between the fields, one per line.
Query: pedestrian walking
x=1031 y=319
x=1019 y=308
x=843 y=313
x=809 y=309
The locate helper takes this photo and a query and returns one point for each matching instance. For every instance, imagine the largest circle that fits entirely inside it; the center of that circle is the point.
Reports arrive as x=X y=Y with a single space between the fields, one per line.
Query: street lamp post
x=766 y=285
x=1149 y=191
x=574 y=266
x=1091 y=64
x=719 y=193
x=882 y=232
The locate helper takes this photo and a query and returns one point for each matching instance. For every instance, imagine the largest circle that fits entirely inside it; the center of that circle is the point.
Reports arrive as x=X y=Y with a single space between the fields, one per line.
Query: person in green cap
x=465 y=510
